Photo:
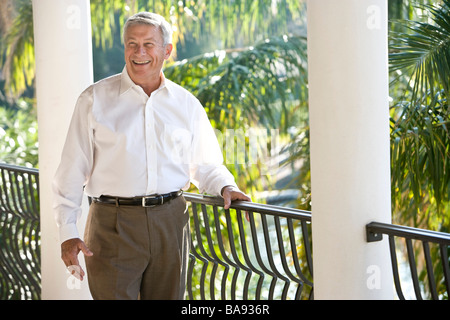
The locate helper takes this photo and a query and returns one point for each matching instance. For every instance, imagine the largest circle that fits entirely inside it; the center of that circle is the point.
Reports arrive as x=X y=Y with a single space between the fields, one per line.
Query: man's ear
x=168 y=52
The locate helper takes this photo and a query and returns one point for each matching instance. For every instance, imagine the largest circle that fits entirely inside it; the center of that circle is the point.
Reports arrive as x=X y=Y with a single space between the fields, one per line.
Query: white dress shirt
x=124 y=143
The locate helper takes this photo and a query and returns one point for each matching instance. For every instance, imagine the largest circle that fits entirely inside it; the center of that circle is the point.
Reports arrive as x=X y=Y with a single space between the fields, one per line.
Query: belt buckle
x=144 y=204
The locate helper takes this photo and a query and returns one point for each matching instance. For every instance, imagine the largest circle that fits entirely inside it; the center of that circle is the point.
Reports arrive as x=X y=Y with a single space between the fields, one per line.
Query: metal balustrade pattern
x=250 y=251
x=20 y=265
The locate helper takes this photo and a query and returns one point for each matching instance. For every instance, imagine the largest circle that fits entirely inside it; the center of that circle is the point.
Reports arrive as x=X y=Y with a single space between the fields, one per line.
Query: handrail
x=375 y=231
x=250 y=206
x=433 y=243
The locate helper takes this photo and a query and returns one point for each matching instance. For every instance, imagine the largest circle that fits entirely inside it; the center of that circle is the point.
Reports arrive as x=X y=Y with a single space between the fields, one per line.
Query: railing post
x=350 y=162
x=62 y=34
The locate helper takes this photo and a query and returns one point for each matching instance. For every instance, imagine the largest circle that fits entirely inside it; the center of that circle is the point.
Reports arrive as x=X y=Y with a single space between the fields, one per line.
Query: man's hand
x=230 y=193
x=69 y=254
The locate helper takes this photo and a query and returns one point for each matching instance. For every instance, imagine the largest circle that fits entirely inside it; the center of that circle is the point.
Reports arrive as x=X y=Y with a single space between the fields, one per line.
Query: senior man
x=136 y=140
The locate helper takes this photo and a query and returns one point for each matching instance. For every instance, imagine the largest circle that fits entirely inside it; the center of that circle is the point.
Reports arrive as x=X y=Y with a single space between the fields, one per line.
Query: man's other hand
x=69 y=254
x=230 y=193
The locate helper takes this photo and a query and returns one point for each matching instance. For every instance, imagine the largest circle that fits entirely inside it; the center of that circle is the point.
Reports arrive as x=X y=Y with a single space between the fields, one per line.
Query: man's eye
x=149 y=44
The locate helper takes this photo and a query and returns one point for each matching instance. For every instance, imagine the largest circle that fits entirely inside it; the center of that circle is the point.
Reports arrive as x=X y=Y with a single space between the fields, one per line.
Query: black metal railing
x=425 y=253
x=250 y=251
x=20 y=265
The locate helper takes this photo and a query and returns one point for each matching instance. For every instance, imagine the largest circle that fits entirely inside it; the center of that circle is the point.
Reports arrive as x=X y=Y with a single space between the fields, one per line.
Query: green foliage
x=255 y=85
x=420 y=151
x=224 y=23
x=18 y=133
x=420 y=119
x=262 y=86
x=420 y=64
x=17 y=52
x=422 y=51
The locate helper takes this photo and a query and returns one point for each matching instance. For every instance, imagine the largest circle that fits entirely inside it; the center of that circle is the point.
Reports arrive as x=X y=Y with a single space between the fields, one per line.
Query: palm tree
x=420 y=137
x=422 y=50
x=224 y=24
x=16 y=48
x=420 y=65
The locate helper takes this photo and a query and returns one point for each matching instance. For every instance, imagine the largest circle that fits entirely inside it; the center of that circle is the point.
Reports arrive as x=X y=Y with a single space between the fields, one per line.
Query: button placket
x=150 y=147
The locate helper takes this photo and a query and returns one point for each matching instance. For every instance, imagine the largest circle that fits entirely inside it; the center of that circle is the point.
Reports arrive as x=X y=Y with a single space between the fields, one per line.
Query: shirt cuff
x=230 y=183
x=68 y=231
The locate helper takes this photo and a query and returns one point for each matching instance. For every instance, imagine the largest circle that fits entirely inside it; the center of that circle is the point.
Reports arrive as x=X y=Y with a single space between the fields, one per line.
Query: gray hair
x=152 y=19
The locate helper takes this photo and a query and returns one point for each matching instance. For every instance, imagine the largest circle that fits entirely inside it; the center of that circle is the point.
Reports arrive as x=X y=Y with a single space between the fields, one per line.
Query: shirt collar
x=126 y=83
x=166 y=83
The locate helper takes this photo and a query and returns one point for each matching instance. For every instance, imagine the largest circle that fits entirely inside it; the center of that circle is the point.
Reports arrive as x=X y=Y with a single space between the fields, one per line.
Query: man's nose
x=140 y=50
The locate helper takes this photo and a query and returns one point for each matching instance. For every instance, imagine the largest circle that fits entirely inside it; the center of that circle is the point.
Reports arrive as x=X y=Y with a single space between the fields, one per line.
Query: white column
x=350 y=168
x=62 y=36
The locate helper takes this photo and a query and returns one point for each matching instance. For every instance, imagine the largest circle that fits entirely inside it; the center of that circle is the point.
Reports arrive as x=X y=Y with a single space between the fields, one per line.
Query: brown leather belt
x=147 y=201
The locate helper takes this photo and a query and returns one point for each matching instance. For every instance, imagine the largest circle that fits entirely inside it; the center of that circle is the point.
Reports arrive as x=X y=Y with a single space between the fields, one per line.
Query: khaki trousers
x=138 y=253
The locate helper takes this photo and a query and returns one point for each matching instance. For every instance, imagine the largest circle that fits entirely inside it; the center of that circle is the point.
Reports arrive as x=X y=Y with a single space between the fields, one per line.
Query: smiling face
x=145 y=53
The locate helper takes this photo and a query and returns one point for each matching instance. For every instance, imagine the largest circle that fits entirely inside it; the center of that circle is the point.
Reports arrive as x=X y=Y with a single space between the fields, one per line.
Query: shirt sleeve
x=208 y=173
x=74 y=169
